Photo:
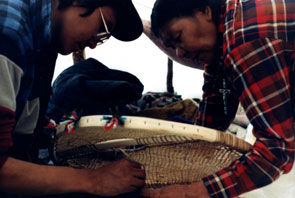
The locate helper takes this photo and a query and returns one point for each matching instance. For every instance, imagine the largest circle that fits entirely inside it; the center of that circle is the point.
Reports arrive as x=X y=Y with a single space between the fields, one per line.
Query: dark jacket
x=93 y=88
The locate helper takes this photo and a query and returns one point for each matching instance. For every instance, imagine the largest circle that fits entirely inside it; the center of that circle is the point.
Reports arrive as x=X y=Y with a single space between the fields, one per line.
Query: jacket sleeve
x=10 y=75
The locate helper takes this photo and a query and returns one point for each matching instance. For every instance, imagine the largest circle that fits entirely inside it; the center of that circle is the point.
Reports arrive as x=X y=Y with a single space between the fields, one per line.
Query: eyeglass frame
x=103 y=36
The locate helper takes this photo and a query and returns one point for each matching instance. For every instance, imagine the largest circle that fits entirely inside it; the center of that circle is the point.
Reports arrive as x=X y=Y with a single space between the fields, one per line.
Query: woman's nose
x=180 y=52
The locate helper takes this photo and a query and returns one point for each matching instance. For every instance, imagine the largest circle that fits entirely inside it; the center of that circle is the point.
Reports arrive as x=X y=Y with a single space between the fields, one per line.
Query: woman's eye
x=171 y=46
x=177 y=39
x=168 y=45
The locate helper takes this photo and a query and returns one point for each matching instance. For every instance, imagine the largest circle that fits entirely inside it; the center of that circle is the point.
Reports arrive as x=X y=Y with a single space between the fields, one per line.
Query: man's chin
x=65 y=51
x=65 y=48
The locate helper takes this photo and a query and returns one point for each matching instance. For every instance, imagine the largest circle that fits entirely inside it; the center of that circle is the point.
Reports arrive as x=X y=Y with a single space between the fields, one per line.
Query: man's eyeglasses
x=103 y=36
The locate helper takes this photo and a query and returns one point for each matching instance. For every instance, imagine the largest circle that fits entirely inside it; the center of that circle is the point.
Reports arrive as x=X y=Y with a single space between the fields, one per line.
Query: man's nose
x=180 y=52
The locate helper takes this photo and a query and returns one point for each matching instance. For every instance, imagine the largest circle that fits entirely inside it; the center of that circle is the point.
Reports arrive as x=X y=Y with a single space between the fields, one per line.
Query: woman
x=246 y=49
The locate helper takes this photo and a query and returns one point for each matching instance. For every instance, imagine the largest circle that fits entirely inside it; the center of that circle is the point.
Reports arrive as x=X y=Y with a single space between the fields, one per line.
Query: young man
x=247 y=51
x=31 y=35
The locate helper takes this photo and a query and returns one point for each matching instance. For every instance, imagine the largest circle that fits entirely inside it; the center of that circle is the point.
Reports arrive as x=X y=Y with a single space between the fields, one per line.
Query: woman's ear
x=204 y=14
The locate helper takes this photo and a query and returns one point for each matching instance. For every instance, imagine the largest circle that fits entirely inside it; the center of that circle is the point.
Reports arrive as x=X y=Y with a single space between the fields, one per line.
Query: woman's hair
x=91 y=5
x=166 y=10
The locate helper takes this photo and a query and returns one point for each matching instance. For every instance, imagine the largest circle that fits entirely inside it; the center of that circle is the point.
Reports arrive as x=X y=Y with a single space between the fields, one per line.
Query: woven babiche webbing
x=167 y=158
x=173 y=164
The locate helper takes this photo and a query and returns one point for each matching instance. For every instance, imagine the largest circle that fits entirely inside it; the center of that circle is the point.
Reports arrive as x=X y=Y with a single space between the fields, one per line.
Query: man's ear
x=208 y=13
x=75 y=3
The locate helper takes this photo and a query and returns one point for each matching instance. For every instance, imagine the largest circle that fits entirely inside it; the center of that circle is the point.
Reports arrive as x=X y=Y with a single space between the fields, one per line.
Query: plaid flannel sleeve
x=262 y=72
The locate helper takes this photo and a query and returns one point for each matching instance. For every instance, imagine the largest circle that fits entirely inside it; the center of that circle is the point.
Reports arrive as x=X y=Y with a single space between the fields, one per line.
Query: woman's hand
x=194 y=190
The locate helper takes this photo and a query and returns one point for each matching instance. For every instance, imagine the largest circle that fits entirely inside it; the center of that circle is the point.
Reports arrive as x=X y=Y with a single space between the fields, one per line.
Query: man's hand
x=117 y=178
x=21 y=177
x=194 y=190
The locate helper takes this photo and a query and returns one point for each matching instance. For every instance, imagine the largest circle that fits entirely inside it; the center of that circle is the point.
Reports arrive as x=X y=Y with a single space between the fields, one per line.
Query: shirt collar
x=221 y=19
x=220 y=32
x=41 y=13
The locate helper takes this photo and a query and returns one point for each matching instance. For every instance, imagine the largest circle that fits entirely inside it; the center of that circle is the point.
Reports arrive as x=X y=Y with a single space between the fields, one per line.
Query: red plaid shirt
x=259 y=53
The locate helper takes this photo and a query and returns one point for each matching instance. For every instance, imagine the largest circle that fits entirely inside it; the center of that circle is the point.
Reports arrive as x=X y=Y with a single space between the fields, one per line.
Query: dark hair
x=91 y=5
x=166 y=10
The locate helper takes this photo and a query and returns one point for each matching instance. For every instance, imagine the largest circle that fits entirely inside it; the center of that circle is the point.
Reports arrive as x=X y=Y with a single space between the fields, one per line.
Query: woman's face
x=192 y=37
x=71 y=32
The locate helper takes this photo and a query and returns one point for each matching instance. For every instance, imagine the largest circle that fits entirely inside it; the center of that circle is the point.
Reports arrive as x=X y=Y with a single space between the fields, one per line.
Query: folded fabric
x=153 y=99
x=186 y=109
x=91 y=86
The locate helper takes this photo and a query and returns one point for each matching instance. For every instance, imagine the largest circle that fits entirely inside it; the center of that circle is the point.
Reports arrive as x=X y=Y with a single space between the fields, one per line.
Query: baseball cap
x=129 y=26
